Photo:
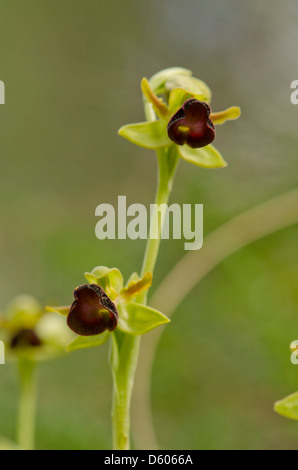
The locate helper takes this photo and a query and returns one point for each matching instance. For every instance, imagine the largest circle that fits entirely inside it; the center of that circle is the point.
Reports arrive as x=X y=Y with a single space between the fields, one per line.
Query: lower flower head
x=92 y=312
x=192 y=125
x=25 y=338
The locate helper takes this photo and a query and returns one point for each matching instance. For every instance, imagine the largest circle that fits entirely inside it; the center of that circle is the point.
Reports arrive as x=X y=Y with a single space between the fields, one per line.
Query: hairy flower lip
x=92 y=312
x=25 y=338
x=192 y=125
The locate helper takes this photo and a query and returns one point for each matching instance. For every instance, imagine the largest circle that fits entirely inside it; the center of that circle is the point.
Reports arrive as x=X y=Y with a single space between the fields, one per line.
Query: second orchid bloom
x=106 y=304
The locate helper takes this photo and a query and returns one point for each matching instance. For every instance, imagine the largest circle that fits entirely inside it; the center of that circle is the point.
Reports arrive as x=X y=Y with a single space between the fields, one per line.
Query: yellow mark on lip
x=184 y=130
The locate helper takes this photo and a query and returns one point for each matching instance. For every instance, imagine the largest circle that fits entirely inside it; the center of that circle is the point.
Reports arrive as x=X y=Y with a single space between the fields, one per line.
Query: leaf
x=137 y=319
x=288 y=407
x=150 y=135
x=206 y=157
x=64 y=311
x=107 y=278
x=84 y=342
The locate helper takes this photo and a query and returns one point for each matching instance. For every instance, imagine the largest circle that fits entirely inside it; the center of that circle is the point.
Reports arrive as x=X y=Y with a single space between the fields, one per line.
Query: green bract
x=176 y=85
x=134 y=318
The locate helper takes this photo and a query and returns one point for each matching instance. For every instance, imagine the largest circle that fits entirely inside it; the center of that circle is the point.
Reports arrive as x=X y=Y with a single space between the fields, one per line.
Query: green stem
x=27 y=407
x=125 y=352
x=125 y=348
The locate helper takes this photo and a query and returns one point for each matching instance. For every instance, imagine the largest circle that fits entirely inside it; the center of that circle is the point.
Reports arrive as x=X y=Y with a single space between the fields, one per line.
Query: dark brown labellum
x=24 y=339
x=92 y=312
x=192 y=125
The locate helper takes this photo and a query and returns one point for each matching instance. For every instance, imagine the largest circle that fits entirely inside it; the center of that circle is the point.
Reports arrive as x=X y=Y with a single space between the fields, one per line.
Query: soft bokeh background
x=72 y=71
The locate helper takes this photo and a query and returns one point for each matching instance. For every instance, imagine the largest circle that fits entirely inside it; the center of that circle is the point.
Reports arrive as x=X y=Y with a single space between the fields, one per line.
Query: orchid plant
x=179 y=125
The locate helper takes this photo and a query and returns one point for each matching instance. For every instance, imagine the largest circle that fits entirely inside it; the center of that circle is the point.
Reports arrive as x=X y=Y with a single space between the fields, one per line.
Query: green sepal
x=195 y=87
x=85 y=342
x=157 y=81
x=150 y=135
x=110 y=279
x=288 y=407
x=206 y=157
x=137 y=319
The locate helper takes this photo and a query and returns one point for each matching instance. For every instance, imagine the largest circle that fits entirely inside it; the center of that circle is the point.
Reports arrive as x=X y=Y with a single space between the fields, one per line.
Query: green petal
x=206 y=157
x=84 y=342
x=137 y=319
x=135 y=286
x=230 y=114
x=150 y=135
x=64 y=311
x=288 y=407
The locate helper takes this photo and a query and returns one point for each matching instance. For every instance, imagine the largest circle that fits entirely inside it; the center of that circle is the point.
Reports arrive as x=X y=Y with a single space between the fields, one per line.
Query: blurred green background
x=72 y=71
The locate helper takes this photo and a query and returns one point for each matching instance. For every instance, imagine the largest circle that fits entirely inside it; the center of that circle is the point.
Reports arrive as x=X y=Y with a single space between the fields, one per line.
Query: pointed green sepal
x=150 y=135
x=85 y=342
x=206 y=157
x=137 y=319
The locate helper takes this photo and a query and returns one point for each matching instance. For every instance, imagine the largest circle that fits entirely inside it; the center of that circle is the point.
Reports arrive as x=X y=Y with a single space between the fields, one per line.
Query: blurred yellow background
x=72 y=72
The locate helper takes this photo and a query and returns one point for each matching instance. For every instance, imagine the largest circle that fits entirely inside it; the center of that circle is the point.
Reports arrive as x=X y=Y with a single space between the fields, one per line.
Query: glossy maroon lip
x=92 y=312
x=192 y=125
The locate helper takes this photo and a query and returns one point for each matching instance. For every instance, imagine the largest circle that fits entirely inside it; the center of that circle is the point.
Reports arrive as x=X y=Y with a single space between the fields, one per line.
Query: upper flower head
x=192 y=125
x=92 y=312
x=179 y=118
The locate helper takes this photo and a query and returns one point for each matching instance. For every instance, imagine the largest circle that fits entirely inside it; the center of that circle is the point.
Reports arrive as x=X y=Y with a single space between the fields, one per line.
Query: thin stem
x=125 y=351
x=254 y=224
x=125 y=348
x=162 y=197
x=27 y=407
